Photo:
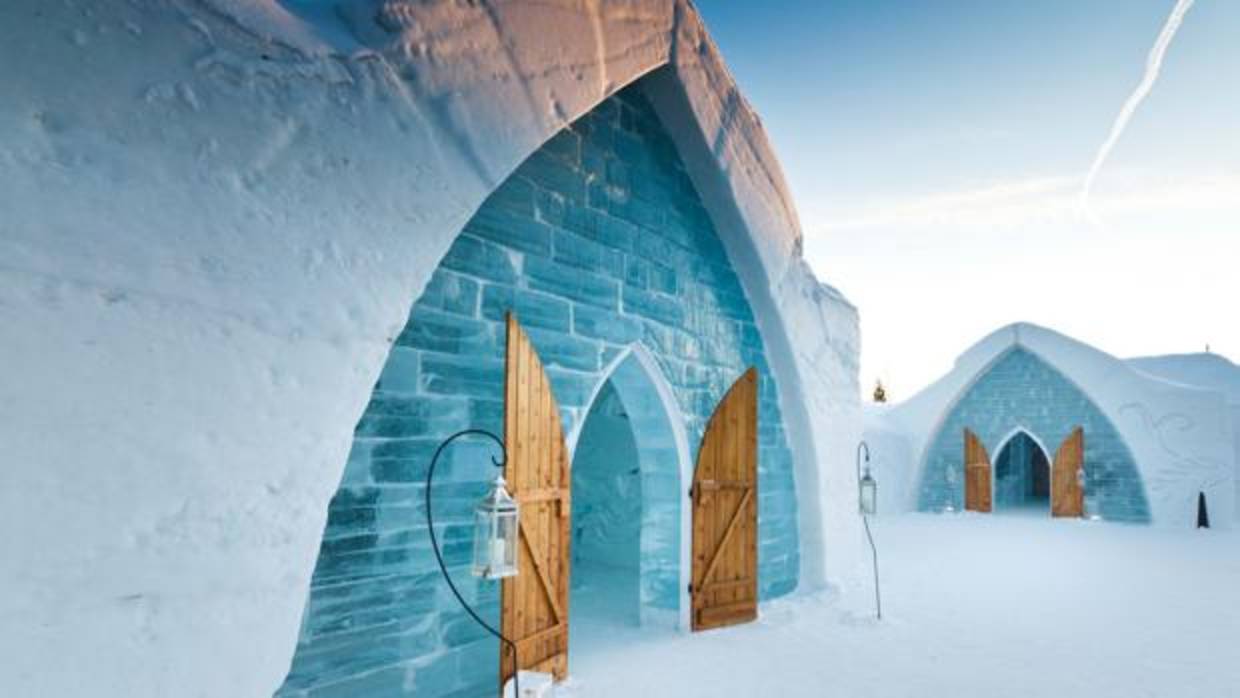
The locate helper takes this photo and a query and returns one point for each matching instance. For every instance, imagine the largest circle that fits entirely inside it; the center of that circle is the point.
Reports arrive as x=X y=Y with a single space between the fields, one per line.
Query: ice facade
x=597 y=242
x=1021 y=391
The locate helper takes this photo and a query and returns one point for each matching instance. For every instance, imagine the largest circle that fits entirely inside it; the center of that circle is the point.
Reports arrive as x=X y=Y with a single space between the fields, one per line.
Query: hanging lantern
x=869 y=494
x=495 y=534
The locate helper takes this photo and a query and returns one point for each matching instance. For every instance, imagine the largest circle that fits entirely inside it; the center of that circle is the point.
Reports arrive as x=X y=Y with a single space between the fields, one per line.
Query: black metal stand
x=865 y=521
x=430 y=526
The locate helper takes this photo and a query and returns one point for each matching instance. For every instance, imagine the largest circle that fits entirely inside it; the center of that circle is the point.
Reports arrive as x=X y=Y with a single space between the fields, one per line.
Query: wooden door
x=977 y=495
x=1067 y=476
x=725 y=512
x=534 y=611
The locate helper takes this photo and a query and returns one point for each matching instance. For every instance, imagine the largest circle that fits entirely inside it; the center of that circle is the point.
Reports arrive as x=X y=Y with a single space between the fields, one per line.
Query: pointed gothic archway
x=631 y=443
x=1022 y=473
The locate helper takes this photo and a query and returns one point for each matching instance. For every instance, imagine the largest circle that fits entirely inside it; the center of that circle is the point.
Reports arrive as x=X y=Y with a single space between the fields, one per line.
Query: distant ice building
x=257 y=261
x=1030 y=420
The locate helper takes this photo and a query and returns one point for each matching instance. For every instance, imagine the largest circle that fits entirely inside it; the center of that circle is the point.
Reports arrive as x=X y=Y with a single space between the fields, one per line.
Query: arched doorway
x=607 y=505
x=630 y=525
x=1022 y=480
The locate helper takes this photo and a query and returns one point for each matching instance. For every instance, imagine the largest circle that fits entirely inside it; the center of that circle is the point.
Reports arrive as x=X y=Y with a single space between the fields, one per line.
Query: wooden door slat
x=536 y=558
x=724 y=502
x=534 y=603
x=977 y=474
x=727 y=534
x=1067 y=494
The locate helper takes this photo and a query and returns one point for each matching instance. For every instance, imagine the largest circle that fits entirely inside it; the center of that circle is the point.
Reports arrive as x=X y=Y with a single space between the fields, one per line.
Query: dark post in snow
x=1203 y=517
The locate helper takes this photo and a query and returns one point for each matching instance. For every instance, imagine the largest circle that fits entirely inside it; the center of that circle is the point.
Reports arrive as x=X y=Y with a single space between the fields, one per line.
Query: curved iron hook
x=430 y=527
x=865 y=521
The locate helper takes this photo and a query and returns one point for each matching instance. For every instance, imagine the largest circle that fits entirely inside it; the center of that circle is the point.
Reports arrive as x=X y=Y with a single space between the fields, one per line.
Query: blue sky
x=936 y=151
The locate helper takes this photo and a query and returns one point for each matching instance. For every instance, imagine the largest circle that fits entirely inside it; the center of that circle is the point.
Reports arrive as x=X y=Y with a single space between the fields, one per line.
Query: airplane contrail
x=1153 y=64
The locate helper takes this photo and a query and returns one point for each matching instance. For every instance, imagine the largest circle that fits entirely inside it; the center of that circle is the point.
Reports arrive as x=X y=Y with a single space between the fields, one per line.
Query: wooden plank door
x=534 y=610
x=977 y=494
x=1067 y=476
x=725 y=512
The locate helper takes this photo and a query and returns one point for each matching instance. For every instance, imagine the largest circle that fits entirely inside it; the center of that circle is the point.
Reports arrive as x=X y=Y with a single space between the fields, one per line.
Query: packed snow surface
x=1001 y=606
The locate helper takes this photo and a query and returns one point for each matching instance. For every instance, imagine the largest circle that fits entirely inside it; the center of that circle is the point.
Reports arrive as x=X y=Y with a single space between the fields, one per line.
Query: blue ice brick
x=611 y=327
x=751 y=338
x=653 y=306
x=629 y=148
x=594 y=160
x=735 y=305
x=471 y=376
x=550 y=206
x=433 y=330
x=555 y=174
x=565 y=145
x=662 y=279
x=598 y=196
x=617 y=233
x=573 y=284
x=778 y=529
x=433 y=676
x=400 y=372
x=462 y=630
x=571 y=389
x=517 y=195
x=510 y=230
x=576 y=251
x=487 y=414
x=480 y=258
x=618 y=173
x=602 y=228
x=653 y=189
x=610 y=354
x=451 y=293
x=653 y=246
x=566 y=351
x=777 y=588
x=384 y=683
x=533 y=309
x=636 y=272
x=394 y=417
x=606 y=112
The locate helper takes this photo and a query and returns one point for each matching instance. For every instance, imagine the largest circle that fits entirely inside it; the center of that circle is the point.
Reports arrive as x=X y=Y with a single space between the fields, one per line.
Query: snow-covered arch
x=219 y=297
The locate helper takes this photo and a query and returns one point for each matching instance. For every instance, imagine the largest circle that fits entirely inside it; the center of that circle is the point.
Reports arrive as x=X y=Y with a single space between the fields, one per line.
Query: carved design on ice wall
x=1165 y=479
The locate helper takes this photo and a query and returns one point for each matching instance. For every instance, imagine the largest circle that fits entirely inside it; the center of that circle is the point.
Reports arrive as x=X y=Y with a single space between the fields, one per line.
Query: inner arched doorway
x=630 y=526
x=1022 y=476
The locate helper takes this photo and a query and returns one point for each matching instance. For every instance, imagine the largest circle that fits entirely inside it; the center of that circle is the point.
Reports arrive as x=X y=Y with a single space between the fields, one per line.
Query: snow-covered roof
x=1173 y=430
x=1203 y=370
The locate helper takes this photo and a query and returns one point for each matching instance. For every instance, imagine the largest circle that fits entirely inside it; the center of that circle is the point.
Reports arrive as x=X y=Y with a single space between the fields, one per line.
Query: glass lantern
x=495 y=534
x=869 y=494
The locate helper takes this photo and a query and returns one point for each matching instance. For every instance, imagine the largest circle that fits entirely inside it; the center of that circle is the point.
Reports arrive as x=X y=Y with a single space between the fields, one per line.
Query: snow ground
x=1004 y=605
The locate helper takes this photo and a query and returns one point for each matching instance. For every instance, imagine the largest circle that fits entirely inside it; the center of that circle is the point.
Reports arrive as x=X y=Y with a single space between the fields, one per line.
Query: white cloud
x=1048 y=201
x=1153 y=66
